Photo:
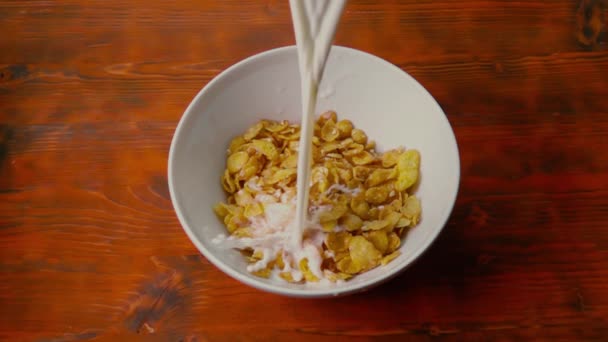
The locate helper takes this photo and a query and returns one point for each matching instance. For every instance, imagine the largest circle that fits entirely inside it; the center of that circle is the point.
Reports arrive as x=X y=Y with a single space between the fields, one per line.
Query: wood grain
x=90 y=248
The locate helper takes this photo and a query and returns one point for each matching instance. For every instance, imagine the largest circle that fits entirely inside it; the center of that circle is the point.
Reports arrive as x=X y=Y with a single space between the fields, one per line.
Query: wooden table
x=90 y=248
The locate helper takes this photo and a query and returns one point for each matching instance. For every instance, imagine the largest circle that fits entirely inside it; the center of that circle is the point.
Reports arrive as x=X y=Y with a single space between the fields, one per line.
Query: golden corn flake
x=242 y=232
x=363 y=253
x=253 y=131
x=390 y=257
x=236 y=161
x=254 y=209
x=353 y=150
x=411 y=209
x=308 y=275
x=281 y=175
x=361 y=172
x=334 y=213
x=341 y=255
x=329 y=226
x=329 y=131
x=228 y=183
x=333 y=276
x=266 y=148
x=359 y=207
x=275 y=127
x=221 y=210
x=403 y=222
x=374 y=225
x=363 y=158
x=329 y=115
x=373 y=213
x=365 y=196
x=390 y=158
x=345 y=175
x=376 y=195
x=346 y=143
x=407 y=165
x=287 y=277
x=347 y=265
x=235 y=144
x=243 y=198
x=393 y=242
x=250 y=169
x=359 y=136
x=379 y=176
x=351 y=222
x=234 y=222
x=379 y=239
x=345 y=127
x=337 y=242
x=330 y=147
x=279 y=260
x=290 y=162
x=264 y=273
x=390 y=217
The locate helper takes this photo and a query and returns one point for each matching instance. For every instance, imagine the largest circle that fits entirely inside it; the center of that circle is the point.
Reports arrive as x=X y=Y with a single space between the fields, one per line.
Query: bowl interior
x=389 y=105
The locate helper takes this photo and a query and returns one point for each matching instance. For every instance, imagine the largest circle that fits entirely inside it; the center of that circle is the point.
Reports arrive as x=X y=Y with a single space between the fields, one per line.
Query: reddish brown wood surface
x=90 y=248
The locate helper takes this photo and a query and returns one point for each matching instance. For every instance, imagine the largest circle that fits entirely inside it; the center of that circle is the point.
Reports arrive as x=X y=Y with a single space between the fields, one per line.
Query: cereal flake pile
x=360 y=200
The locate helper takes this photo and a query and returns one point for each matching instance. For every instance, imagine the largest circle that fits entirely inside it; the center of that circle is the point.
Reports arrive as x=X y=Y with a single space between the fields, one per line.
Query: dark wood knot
x=13 y=72
x=590 y=21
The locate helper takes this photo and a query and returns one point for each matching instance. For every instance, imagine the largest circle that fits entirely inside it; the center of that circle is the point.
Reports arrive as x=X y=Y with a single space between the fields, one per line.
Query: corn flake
x=393 y=242
x=334 y=213
x=363 y=158
x=253 y=209
x=337 y=242
x=345 y=127
x=308 y=275
x=363 y=253
x=329 y=131
x=242 y=232
x=290 y=162
x=235 y=144
x=376 y=195
x=220 y=210
x=359 y=136
x=379 y=239
x=351 y=222
x=275 y=127
x=228 y=183
x=263 y=273
x=390 y=257
x=407 y=165
x=266 y=148
x=347 y=266
x=334 y=277
x=287 y=277
x=353 y=150
x=253 y=131
x=329 y=225
x=411 y=209
x=390 y=158
x=281 y=175
x=359 y=206
x=329 y=115
x=379 y=176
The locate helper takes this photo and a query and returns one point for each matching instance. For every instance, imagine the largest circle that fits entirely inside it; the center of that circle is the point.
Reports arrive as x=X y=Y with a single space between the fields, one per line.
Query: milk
x=288 y=224
x=315 y=23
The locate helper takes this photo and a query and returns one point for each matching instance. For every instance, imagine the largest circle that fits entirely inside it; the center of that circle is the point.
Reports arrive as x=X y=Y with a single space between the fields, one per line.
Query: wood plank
x=90 y=248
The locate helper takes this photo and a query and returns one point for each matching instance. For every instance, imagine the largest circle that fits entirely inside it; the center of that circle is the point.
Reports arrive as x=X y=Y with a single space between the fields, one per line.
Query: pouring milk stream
x=285 y=225
x=314 y=23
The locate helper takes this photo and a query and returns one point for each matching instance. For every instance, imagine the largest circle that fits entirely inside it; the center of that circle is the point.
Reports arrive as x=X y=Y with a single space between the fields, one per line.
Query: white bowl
x=387 y=103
